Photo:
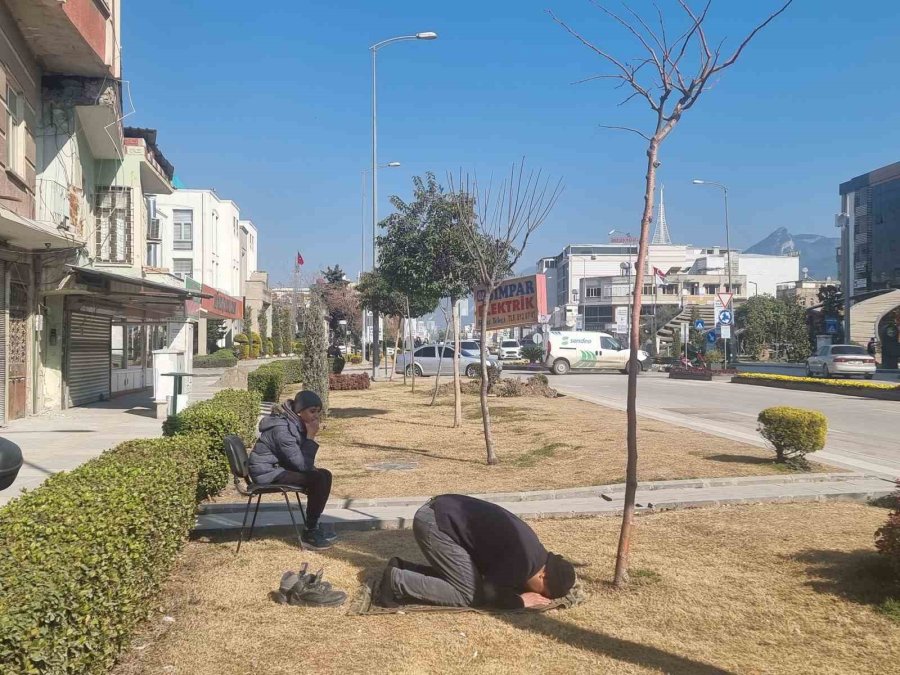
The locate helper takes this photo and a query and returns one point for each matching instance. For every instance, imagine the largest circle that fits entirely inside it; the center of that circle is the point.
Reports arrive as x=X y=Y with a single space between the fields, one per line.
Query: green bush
x=270 y=346
x=241 y=339
x=298 y=347
x=229 y=412
x=793 y=432
x=292 y=370
x=82 y=555
x=534 y=353
x=267 y=381
x=223 y=358
x=887 y=537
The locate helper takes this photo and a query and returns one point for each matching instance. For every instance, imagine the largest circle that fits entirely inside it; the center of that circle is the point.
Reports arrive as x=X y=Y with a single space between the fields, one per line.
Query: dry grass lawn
x=542 y=444
x=780 y=588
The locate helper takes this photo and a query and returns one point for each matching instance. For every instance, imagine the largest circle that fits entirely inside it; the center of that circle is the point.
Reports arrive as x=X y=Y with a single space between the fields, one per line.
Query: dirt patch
x=388 y=423
x=777 y=588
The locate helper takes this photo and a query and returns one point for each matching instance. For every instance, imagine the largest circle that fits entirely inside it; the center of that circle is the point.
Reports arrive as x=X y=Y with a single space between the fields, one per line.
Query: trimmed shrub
x=356 y=359
x=352 y=381
x=293 y=369
x=82 y=555
x=887 y=537
x=229 y=412
x=534 y=353
x=298 y=347
x=793 y=432
x=267 y=381
x=223 y=358
x=270 y=346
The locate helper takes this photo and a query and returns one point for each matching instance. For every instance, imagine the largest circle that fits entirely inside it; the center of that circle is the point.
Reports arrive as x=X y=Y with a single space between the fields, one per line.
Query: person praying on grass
x=481 y=555
x=285 y=454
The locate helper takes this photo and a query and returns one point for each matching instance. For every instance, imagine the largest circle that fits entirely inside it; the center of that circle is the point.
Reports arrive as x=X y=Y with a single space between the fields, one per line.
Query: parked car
x=425 y=361
x=470 y=347
x=510 y=349
x=846 y=360
x=584 y=350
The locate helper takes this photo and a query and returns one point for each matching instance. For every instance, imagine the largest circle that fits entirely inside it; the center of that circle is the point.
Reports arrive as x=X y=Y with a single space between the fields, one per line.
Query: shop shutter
x=88 y=363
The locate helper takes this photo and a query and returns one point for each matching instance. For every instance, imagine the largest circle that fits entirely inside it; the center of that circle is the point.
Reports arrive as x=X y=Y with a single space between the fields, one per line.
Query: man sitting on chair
x=285 y=454
x=481 y=555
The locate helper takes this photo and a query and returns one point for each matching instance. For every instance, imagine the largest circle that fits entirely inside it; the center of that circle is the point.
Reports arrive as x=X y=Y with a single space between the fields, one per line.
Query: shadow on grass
x=862 y=576
x=741 y=459
x=349 y=413
x=413 y=451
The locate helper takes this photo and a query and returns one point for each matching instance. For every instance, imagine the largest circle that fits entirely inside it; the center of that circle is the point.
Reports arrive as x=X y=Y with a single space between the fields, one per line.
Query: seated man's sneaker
x=315 y=539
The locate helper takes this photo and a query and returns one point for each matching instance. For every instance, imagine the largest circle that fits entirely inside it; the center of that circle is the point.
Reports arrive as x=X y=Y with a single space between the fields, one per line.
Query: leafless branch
x=634 y=131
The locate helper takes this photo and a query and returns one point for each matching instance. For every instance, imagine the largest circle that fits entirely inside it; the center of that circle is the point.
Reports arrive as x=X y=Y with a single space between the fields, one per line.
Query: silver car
x=844 y=360
x=425 y=361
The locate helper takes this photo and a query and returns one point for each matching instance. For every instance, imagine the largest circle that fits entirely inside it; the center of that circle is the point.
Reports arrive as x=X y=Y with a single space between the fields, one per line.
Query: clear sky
x=269 y=103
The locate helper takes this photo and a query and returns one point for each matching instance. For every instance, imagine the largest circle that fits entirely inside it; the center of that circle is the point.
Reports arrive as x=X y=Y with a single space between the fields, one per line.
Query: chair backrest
x=236 y=452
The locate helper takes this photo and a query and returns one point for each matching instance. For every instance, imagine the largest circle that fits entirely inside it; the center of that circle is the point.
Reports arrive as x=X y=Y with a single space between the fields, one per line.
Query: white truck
x=584 y=350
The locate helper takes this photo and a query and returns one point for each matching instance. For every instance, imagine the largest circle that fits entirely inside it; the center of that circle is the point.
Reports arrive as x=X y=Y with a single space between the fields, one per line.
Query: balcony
x=156 y=171
x=97 y=103
x=75 y=37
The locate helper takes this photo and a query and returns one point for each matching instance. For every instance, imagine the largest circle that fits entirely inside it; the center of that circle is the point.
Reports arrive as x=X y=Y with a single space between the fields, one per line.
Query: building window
x=670 y=289
x=154 y=254
x=593 y=292
x=117 y=344
x=158 y=337
x=649 y=289
x=183 y=229
x=15 y=118
x=135 y=345
x=113 y=239
x=182 y=267
x=710 y=289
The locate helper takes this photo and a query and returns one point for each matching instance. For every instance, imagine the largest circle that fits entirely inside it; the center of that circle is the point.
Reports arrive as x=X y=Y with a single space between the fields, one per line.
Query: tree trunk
x=437 y=375
x=457 y=394
x=485 y=410
x=631 y=480
x=409 y=332
x=396 y=351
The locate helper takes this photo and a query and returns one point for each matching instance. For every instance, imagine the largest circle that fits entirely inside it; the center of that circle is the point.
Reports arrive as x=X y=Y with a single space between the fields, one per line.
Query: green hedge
x=82 y=555
x=267 y=381
x=231 y=411
x=793 y=432
x=224 y=358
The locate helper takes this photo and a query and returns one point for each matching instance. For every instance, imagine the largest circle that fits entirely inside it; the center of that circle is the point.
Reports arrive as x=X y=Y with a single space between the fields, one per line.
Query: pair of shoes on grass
x=307 y=590
x=317 y=539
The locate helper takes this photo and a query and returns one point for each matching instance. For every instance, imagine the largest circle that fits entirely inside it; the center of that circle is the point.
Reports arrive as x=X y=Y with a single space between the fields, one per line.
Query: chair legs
x=287 y=502
x=294 y=520
x=244 y=524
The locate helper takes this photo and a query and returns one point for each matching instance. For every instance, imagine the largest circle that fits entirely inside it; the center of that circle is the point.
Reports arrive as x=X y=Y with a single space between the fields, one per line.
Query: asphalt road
x=863 y=434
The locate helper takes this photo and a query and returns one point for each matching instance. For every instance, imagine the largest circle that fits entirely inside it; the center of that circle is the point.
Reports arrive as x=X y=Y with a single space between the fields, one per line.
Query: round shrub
x=223 y=358
x=534 y=353
x=793 y=432
x=267 y=381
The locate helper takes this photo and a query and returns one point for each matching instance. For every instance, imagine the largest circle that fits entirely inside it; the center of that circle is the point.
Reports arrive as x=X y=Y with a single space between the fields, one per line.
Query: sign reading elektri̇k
x=515 y=302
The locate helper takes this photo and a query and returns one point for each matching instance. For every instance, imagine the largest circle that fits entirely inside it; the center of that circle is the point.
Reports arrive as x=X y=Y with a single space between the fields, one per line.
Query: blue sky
x=272 y=109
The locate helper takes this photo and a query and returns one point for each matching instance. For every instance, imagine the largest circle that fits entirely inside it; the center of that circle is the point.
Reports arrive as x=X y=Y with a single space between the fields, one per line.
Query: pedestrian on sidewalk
x=481 y=555
x=285 y=454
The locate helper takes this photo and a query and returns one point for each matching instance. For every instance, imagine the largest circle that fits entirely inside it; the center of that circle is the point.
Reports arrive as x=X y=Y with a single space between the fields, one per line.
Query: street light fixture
x=427 y=35
x=724 y=190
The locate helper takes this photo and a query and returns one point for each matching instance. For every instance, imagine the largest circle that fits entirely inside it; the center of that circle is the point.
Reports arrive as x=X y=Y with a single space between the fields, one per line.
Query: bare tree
x=496 y=233
x=670 y=77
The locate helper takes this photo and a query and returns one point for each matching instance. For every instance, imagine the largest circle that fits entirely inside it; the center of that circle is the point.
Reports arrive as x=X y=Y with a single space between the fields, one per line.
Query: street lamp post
x=362 y=242
x=374 y=49
x=755 y=287
x=724 y=190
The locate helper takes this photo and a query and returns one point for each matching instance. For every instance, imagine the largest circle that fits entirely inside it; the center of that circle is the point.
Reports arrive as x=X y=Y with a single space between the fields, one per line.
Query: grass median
x=388 y=442
x=777 y=588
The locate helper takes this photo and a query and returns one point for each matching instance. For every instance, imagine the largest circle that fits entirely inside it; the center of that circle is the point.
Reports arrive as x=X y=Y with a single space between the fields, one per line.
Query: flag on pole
x=299 y=259
x=660 y=277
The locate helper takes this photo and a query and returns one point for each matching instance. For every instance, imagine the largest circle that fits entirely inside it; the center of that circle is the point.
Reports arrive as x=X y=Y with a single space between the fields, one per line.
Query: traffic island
x=877 y=390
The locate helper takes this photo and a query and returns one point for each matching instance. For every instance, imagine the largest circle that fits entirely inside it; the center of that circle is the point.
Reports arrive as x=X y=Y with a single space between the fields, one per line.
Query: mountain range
x=817 y=252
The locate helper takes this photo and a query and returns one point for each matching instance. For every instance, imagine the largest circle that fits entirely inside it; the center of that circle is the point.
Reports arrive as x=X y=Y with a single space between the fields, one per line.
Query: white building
x=205 y=242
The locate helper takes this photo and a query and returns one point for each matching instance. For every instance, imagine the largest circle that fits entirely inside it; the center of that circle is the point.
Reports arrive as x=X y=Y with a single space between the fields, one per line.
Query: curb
x=563 y=493
x=823 y=388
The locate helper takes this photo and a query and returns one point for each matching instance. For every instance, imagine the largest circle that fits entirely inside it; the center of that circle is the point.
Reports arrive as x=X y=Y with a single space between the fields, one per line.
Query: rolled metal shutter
x=3 y=344
x=88 y=358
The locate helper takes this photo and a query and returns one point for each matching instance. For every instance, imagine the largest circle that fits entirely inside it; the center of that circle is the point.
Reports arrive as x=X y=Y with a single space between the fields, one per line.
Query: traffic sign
x=537 y=338
x=711 y=337
x=725 y=330
x=699 y=325
x=725 y=299
x=725 y=317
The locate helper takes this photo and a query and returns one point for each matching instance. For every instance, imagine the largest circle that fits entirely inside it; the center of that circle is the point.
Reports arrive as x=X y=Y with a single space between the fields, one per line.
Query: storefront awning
x=32 y=235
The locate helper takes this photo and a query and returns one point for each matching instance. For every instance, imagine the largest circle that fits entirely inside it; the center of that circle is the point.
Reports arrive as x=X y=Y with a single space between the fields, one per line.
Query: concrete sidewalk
x=397 y=512
x=62 y=440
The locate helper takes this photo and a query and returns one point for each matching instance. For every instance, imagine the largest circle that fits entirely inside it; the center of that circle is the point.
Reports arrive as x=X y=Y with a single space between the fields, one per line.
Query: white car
x=846 y=360
x=586 y=350
x=427 y=357
x=510 y=349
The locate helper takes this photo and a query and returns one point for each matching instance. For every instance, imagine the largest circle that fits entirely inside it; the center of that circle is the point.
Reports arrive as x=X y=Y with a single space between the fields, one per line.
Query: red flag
x=299 y=259
x=660 y=277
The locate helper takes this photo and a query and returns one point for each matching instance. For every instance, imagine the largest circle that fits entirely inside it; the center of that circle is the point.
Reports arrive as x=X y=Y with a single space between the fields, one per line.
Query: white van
x=583 y=350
